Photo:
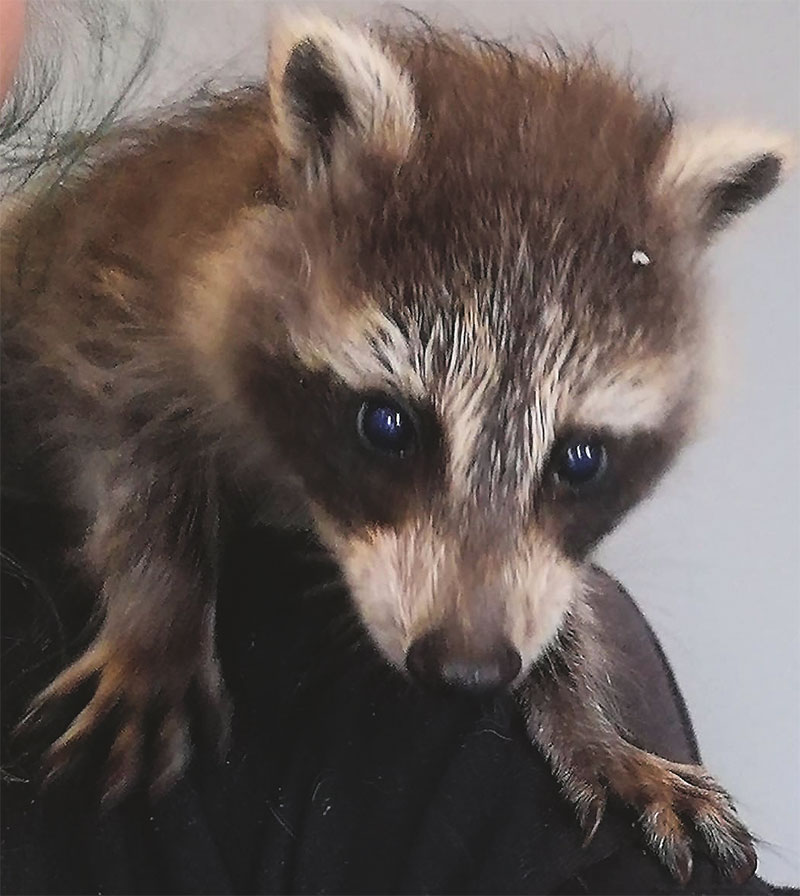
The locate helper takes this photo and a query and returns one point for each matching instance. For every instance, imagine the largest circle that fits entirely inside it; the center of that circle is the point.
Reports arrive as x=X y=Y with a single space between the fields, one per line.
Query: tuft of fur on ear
x=717 y=173
x=333 y=84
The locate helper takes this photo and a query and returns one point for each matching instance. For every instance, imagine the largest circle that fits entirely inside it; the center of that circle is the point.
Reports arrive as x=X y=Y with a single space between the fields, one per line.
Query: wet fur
x=172 y=309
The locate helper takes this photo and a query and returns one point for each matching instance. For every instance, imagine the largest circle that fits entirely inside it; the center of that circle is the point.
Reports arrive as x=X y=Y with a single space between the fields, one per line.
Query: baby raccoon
x=443 y=297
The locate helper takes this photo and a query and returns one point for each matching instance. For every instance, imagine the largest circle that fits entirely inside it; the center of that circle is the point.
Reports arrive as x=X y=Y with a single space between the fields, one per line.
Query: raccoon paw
x=146 y=708
x=681 y=804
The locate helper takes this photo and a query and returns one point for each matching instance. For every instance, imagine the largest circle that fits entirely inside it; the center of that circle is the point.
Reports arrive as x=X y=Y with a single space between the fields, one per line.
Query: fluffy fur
x=413 y=214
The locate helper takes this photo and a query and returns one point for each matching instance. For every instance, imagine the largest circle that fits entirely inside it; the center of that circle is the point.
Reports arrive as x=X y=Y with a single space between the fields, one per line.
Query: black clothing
x=342 y=777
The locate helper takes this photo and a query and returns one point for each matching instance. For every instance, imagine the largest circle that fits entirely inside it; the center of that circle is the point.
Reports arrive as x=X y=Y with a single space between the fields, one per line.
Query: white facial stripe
x=368 y=352
x=550 y=377
x=461 y=396
x=533 y=413
x=631 y=400
x=397 y=578
x=464 y=411
x=550 y=396
x=623 y=407
x=542 y=585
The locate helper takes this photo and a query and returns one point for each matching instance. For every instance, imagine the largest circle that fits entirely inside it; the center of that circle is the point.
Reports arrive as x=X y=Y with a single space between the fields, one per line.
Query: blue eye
x=580 y=460
x=385 y=426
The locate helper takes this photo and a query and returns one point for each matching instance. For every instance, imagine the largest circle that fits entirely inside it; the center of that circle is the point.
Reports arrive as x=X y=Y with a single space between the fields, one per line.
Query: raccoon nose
x=430 y=661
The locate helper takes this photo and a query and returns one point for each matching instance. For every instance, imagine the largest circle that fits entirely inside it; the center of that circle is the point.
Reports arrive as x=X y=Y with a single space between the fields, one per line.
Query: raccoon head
x=489 y=270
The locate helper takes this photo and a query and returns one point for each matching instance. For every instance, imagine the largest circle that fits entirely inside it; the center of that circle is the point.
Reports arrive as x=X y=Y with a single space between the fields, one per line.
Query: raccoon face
x=496 y=344
x=479 y=491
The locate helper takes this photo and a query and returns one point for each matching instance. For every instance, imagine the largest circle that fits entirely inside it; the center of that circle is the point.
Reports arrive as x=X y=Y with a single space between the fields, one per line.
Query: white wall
x=714 y=558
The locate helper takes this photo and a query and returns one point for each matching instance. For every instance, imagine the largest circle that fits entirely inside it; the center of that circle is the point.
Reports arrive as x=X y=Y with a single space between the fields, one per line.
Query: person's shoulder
x=646 y=691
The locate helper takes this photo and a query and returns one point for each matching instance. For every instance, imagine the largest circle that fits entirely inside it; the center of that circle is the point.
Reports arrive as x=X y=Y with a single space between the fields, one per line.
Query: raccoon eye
x=385 y=426
x=580 y=460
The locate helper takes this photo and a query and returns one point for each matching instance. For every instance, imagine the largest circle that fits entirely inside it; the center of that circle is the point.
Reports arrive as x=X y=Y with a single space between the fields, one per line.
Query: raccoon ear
x=715 y=174
x=334 y=87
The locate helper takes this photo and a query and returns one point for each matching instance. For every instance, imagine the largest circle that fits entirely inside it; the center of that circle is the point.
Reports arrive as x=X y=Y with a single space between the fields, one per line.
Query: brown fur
x=412 y=213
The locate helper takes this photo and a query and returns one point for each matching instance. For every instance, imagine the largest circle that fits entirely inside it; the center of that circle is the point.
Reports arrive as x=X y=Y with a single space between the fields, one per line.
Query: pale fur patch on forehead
x=633 y=397
x=467 y=350
x=531 y=416
x=367 y=350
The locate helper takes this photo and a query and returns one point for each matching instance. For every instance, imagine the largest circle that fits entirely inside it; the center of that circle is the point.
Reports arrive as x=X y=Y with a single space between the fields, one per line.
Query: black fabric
x=342 y=777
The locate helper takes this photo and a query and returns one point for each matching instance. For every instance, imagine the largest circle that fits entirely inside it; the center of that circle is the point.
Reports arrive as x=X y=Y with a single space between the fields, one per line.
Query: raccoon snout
x=432 y=661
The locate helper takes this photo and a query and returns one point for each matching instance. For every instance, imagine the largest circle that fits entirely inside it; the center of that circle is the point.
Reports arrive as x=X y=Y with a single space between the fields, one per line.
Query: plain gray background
x=714 y=557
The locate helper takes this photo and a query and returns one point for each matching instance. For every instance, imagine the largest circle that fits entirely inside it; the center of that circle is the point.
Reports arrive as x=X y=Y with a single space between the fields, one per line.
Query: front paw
x=672 y=795
x=678 y=804
x=144 y=701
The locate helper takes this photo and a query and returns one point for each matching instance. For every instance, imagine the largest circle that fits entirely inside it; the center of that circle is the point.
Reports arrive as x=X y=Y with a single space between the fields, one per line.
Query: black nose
x=432 y=661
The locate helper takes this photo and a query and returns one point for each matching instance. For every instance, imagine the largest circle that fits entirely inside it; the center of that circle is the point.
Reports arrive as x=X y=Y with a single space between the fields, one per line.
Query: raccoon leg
x=152 y=544
x=570 y=716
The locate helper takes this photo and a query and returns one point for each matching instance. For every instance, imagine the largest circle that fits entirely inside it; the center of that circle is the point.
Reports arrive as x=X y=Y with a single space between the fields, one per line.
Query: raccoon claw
x=156 y=724
x=667 y=838
x=680 y=806
x=72 y=678
x=590 y=813
x=171 y=753
x=215 y=710
x=672 y=797
x=124 y=763
x=727 y=840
